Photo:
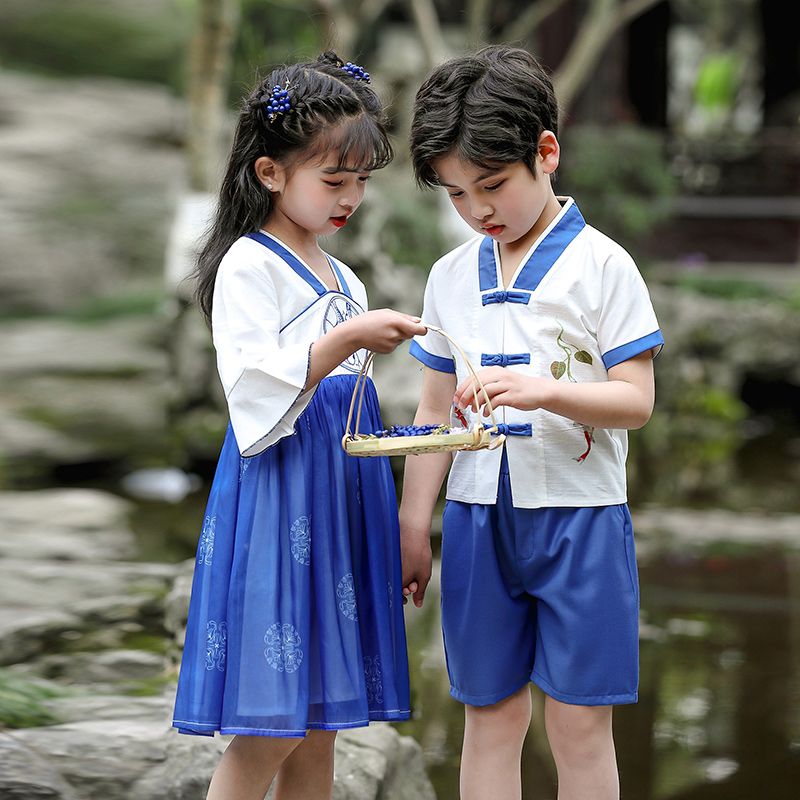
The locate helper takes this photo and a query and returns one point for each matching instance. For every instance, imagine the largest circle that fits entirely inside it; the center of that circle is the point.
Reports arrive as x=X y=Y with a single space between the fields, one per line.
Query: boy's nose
x=481 y=211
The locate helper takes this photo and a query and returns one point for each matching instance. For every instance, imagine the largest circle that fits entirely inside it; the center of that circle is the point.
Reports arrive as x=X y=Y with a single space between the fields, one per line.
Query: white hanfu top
x=268 y=309
x=575 y=307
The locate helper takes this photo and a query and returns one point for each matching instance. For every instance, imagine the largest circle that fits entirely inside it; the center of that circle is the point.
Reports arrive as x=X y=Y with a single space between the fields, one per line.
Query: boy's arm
x=422 y=481
x=625 y=400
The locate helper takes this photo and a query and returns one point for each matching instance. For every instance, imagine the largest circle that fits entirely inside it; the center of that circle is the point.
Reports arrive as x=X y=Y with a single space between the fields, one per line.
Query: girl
x=295 y=625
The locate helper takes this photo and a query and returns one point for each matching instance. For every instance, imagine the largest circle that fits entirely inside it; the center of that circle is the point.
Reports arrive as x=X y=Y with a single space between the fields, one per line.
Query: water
x=719 y=708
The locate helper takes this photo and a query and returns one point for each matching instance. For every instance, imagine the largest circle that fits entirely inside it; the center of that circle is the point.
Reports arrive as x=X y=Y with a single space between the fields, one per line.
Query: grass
x=22 y=701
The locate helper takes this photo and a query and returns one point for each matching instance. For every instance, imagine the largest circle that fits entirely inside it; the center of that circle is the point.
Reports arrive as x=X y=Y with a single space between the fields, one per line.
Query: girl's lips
x=494 y=230
x=339 y=222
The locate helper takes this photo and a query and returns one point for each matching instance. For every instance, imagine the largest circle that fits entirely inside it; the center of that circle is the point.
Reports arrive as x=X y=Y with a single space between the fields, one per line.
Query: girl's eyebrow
x=335 y=170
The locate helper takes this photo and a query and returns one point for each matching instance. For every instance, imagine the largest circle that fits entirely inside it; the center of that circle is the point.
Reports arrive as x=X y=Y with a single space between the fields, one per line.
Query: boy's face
x=506 y=201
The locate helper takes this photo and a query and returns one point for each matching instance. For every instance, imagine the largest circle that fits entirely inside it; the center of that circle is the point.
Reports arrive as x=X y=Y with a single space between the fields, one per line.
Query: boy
x=539 y=578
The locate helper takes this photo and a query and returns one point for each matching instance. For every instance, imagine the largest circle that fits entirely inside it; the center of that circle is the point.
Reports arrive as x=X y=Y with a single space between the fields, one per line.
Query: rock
x=69 y=524
x=128 y=750
x=376 y=762
x=68 y=172
x=176 y=605
x=27 y=775
x=123 y=347
x=45 y=601
x=688 y=527
x=107 y=667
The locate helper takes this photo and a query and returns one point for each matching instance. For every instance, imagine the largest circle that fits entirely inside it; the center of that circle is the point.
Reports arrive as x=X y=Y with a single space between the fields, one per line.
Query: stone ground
x=76 y=613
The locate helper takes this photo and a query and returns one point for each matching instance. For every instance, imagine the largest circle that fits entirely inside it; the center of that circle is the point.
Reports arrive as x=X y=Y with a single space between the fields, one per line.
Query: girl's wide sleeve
x=263 y=380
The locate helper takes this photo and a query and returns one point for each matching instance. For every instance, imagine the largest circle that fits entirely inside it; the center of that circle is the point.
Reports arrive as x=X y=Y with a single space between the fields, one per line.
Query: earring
x=269 y=186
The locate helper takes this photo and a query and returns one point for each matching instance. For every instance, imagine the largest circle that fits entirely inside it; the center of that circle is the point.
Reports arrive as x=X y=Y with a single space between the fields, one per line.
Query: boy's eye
x=364 y=178
x=456 y=195
x=494 y=187
x=334 y=184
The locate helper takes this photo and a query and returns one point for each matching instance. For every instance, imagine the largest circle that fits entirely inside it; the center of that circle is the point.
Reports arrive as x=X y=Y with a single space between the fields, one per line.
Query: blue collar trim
x=301 y=269
x=339 y=277
x=547 y=252
x=486 y=264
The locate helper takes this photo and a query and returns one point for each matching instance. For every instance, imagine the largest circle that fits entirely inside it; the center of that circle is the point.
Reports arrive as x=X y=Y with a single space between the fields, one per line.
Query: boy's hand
x=415 y=551
x=505 y=387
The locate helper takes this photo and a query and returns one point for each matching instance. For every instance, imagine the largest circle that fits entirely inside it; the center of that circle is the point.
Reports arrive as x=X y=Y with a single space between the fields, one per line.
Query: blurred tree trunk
x=210 y=58
x=347 y=21
x=603 y=20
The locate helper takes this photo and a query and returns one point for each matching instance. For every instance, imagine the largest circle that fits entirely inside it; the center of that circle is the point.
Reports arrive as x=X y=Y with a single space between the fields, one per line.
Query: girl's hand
x=504 y=388
x=383 y=330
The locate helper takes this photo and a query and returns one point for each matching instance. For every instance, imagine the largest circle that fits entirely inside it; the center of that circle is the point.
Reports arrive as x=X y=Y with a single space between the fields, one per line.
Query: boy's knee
x=510 y=716
x=577 y=731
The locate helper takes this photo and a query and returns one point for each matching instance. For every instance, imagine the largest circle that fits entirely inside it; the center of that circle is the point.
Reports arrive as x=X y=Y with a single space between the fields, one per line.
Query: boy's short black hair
x=489 y=108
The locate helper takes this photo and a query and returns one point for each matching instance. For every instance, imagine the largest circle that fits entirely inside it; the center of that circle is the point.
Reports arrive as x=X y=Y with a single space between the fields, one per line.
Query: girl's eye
x=456 y=195
x=494 y=187
x=333 y=184
x=364 y=178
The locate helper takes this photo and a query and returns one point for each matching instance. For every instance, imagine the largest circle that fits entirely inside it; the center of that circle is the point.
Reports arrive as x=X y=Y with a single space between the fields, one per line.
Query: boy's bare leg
x=248 y=766
x=582 y=744
x=490 y=757
x=307 y=774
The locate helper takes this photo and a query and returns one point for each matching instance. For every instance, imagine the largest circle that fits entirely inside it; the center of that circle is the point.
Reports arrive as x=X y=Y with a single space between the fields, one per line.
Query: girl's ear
x=270 y=173
x=549 y=152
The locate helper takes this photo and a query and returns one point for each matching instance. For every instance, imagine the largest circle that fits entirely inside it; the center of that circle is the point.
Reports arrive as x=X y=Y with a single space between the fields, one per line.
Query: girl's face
x=506 y=201
x=317 y=197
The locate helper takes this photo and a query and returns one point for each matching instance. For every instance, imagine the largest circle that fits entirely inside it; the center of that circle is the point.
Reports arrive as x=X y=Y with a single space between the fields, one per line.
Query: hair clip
x=279 y=102
x=357 y=72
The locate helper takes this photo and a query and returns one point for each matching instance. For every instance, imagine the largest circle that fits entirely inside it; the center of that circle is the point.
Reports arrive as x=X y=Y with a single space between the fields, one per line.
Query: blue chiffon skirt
x=296 y=614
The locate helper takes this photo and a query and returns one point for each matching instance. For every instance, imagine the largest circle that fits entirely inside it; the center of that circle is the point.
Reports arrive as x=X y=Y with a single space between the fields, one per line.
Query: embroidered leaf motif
x=558 y=368
x=583 y=357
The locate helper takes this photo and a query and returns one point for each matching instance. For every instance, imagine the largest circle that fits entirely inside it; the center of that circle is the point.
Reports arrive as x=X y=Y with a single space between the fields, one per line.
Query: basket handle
x=361 y=383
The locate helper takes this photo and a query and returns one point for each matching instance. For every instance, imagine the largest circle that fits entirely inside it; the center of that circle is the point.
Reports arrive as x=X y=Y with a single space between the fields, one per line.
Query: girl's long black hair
x=331 y=111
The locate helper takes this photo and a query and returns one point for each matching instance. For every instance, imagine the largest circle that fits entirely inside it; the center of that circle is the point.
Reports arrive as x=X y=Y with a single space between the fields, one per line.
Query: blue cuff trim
x=626 y=351
x=432 y=361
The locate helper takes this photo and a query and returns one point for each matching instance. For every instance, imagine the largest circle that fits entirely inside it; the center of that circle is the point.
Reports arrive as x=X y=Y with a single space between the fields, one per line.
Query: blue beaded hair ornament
x=279 y=103
x=357 y=73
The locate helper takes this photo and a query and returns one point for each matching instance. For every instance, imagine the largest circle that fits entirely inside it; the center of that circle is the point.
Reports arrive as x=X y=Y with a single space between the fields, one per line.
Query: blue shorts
x=549 y=595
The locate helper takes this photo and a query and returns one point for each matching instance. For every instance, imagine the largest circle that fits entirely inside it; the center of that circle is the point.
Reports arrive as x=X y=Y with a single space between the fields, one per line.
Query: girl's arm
x=625 y=400
x=381 y=331
x=422 y=481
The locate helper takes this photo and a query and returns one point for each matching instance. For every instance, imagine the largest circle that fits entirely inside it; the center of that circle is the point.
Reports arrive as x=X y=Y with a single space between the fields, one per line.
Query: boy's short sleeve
x=432 y=350
x=627 y=325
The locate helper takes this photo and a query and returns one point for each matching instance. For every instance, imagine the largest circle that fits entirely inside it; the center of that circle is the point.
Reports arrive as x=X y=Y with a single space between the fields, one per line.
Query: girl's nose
x=480 y=211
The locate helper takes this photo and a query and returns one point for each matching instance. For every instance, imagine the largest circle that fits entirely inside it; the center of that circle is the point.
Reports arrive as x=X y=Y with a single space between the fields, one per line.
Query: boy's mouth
x=494 y=230
x=339 y=222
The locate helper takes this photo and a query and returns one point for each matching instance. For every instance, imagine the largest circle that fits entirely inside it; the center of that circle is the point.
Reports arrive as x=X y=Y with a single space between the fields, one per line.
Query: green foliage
x=22 y=701
x=90 y=37
x=732 y=288
x=103 y=308
x=619 y=176
x=412 y=233
x=717 y=80
x=271 y=33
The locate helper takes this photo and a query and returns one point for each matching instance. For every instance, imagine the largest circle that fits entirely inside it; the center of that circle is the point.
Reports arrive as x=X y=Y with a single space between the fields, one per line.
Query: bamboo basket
x=477 y=437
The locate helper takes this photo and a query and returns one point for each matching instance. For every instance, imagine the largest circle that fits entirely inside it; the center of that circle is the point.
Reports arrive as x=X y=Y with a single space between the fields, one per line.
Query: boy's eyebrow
x=480 y=178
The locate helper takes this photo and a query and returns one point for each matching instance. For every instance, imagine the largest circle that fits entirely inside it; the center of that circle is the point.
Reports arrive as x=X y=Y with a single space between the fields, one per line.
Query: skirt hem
x=209 y=729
